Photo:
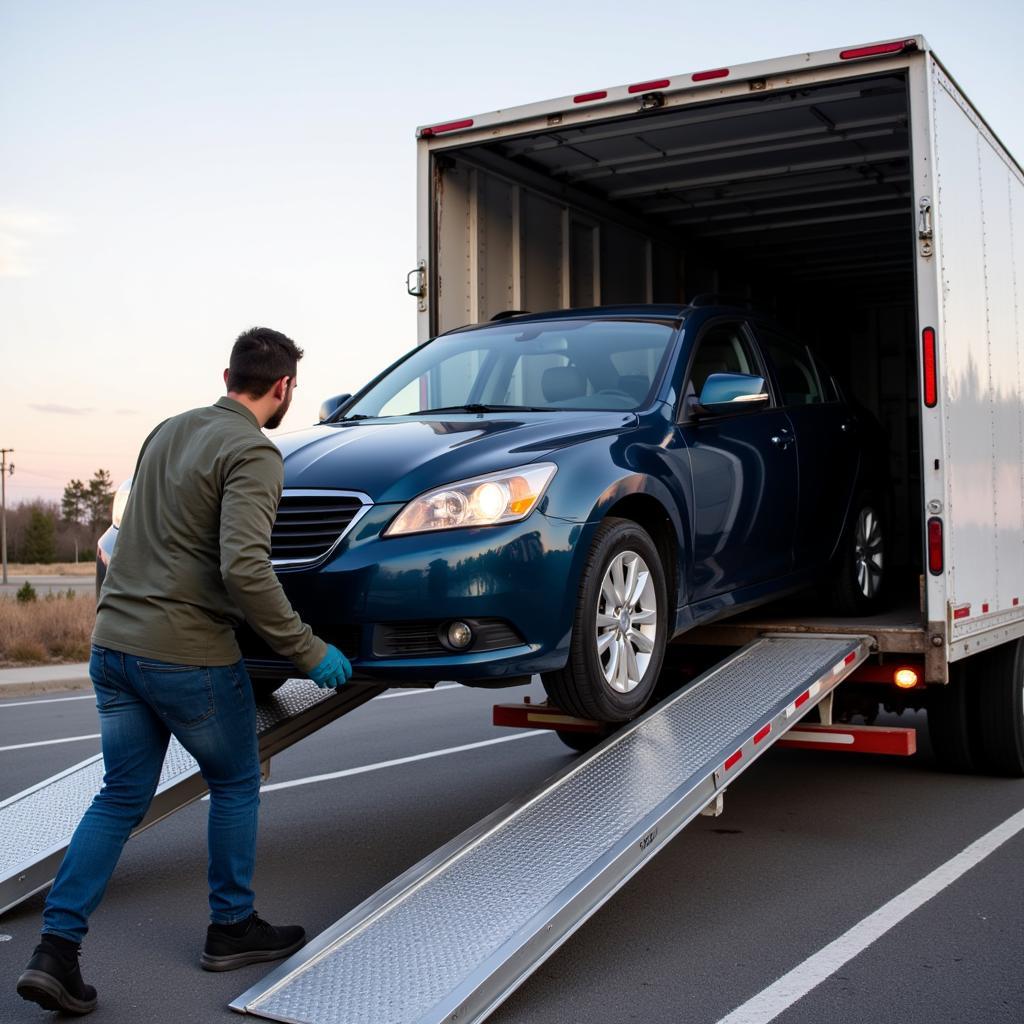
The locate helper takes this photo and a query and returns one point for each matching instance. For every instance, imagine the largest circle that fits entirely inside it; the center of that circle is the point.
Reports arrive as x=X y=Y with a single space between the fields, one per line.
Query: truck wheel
x=858 y=578
x=619 y=629
x=951 y=725
x=997 y=690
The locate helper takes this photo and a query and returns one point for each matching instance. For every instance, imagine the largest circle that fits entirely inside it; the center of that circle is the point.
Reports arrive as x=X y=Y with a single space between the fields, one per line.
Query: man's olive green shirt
x=192 y=558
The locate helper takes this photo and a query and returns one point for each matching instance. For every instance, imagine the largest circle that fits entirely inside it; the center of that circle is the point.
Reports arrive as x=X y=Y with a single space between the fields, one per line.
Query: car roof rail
x=505 y=314
x=718 y=299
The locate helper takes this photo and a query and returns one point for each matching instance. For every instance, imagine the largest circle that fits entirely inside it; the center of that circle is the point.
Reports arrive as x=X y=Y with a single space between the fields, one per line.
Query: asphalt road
x=809 y=846
x=50 y=584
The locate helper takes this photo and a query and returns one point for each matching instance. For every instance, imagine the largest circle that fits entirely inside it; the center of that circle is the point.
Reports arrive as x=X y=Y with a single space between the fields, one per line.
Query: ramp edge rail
x=480 y=992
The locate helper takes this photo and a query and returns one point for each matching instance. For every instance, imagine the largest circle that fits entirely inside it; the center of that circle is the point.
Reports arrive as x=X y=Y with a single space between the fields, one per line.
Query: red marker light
x=878 y=49
x=587 y=97
x=935 y=555
x=661 y=83
x=705 y=76
x=963 y=612
x=929 y=367
x=448 y=126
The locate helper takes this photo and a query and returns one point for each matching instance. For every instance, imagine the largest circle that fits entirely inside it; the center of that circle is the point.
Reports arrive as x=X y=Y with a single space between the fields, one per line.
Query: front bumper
x=522 y=574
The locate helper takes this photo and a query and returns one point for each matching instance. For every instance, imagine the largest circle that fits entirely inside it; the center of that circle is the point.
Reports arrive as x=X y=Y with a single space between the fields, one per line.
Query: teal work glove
x=333 y=671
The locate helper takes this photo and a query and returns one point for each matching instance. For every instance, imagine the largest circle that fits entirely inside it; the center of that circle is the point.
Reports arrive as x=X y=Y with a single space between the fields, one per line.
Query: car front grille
x=309 y=524
x=423 y=639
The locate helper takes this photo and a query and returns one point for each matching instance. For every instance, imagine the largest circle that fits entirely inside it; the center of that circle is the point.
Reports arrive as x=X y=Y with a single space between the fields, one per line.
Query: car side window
x=723 y=348
x=798 y=379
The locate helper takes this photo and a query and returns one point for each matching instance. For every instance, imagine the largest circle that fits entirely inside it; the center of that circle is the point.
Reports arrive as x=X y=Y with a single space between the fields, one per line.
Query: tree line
x=65 y=531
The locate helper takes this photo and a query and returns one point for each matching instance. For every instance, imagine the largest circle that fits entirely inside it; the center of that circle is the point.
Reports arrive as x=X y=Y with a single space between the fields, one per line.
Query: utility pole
x=4 y=470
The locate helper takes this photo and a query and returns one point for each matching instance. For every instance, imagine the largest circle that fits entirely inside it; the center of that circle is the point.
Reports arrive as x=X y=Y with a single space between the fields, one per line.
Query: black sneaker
x=54 y=980
x=253 y=941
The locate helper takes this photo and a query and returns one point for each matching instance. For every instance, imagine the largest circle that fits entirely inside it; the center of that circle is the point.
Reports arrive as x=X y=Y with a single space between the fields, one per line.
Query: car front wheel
x=620 y=628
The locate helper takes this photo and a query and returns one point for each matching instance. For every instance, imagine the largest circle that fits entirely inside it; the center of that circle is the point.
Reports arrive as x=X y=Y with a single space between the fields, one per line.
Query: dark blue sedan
x=562 y=493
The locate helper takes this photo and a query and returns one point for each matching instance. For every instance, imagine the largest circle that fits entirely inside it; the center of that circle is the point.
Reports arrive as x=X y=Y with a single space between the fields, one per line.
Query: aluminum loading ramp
x=36 y=825
x=455 y=935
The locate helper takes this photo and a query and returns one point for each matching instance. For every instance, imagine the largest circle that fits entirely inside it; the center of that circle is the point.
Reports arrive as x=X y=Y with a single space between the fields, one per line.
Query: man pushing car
x=192 y=561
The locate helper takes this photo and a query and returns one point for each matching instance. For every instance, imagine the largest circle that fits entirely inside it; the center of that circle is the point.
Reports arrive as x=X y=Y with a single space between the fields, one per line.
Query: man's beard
x=275 y=421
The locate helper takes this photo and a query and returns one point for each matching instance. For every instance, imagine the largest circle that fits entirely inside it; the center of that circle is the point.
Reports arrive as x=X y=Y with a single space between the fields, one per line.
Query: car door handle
x=783 y=439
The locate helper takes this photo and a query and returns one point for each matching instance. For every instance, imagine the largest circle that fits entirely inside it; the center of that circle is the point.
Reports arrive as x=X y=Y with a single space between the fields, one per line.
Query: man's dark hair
x=259 y=357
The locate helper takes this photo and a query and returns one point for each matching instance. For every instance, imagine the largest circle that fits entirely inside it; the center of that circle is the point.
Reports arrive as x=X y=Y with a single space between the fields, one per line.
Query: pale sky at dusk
x=173 y=173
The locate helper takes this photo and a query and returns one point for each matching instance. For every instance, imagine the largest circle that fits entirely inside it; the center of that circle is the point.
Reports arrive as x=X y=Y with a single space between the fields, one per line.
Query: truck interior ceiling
x=796 y=200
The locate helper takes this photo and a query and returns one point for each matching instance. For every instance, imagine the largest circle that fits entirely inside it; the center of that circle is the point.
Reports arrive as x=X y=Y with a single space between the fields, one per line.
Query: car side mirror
x=726 y=394
x=331 y=405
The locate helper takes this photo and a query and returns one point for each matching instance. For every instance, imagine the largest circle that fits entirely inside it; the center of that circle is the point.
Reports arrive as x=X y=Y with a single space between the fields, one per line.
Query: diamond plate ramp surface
x=36 y=825
x=455 y=935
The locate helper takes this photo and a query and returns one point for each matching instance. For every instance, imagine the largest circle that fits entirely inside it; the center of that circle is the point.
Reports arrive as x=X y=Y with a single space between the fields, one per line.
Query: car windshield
x=542 y=365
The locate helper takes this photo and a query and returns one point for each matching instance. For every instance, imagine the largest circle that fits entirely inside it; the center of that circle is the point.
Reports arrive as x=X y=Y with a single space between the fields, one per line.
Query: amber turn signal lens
x=905 y=678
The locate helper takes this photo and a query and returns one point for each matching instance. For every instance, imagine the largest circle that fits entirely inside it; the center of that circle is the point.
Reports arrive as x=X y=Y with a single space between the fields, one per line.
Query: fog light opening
x=459 y=635
x=905 y=678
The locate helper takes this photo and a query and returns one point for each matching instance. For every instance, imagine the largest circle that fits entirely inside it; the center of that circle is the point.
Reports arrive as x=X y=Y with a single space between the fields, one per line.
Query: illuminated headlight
x=483 y=501
x=120 y=500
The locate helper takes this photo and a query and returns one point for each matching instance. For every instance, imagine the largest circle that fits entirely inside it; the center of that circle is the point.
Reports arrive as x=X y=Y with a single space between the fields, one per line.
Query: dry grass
x=51 y=569
x=51 y=629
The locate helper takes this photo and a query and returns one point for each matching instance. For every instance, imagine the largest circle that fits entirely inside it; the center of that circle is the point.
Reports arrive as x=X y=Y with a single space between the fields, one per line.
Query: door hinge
x=924 y=225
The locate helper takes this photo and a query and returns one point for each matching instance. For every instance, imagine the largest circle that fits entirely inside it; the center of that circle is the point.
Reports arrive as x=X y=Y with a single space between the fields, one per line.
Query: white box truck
x=858 y=196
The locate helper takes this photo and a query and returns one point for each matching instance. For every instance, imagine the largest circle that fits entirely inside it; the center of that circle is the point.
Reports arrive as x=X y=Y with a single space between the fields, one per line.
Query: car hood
x=395 y=459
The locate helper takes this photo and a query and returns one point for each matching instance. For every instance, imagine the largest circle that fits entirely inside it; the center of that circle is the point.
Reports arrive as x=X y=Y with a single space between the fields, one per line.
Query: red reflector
x=704 y=76
x=732 y=760
x=962 y=612
x=1016 y=601
x=984 y=608
x=879 y=48
x=935 y=546
x=449 y=126
x=586 y=97
x=852 y=656
x=802 y=699
x=762 y=732
x=661 y=83
x=928 y=366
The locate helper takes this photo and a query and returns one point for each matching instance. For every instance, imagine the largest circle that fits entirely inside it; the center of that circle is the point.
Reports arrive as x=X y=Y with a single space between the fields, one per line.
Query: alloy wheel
x=627 y=621
x=867 y=552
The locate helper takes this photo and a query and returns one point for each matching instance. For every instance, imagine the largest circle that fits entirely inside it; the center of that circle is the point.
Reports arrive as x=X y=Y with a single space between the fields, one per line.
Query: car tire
x=857 y=584
x=611 y=677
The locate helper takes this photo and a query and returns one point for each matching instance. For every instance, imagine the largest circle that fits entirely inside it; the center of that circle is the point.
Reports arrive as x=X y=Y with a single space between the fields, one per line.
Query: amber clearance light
x=905 y=678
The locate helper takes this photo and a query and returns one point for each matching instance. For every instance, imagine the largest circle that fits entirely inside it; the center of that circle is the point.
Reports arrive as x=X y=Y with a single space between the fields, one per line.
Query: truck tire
x=858 y=580
x=618 y=637
x=951 y=722
x=997 y=690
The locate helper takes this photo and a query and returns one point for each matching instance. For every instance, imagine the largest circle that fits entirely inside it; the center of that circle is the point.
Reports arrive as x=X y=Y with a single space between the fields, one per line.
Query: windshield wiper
x=478 y=407
x=354 y=416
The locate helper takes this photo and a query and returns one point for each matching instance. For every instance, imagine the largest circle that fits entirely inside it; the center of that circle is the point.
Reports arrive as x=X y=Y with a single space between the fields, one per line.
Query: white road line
x=48 y=700
x=49 y=743
x=397 y=761
x=782 y=994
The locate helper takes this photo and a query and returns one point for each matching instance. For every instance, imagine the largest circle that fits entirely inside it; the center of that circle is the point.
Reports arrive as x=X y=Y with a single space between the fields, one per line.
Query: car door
x=744 y=473
x=826 y=444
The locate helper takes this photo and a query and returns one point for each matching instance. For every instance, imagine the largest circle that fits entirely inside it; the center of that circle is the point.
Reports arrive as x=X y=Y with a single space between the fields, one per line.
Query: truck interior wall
x=799 y=202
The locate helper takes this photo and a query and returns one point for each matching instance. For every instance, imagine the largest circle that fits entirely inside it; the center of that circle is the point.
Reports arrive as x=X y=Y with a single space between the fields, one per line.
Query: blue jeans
x=142 y=703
